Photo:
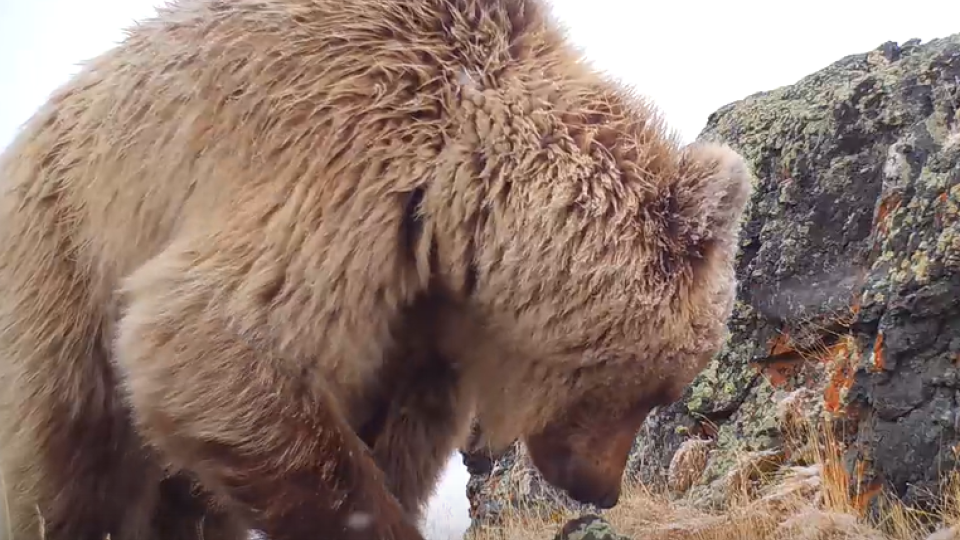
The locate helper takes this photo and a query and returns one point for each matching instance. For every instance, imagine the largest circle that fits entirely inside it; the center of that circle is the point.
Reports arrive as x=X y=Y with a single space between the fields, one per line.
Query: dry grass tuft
x=815 y=501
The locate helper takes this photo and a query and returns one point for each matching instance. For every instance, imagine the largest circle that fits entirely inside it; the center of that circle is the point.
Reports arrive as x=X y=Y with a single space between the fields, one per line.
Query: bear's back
x=207 y=103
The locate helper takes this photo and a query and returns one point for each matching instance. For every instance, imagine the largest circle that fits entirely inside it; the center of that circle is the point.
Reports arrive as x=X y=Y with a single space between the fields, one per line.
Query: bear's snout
x=586 y=491
x=587 y=477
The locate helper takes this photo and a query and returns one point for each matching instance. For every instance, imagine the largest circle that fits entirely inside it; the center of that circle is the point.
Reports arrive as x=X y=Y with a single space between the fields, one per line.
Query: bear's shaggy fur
x=263 y=262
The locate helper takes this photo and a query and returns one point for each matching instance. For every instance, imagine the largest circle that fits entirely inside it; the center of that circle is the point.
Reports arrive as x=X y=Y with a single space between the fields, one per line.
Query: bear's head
x=600 y=269
x=649 y=323
x=591 y=253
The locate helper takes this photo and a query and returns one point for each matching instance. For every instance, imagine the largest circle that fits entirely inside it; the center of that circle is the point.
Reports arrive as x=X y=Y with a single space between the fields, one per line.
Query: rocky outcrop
x=849 y=288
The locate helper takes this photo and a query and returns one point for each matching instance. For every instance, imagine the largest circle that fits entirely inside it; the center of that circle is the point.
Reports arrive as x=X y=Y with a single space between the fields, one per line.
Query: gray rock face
x=511 y=485
x=849 y=262
x=849 y=278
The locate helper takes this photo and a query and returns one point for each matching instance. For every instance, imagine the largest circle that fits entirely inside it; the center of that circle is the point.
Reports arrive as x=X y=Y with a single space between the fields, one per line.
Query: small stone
x=588 y=527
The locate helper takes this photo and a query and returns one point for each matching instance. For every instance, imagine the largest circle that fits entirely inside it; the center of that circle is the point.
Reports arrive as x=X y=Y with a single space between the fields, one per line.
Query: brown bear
x=264 y=261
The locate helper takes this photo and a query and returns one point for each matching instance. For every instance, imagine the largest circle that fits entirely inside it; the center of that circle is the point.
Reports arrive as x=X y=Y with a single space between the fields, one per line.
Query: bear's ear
x=710 y=195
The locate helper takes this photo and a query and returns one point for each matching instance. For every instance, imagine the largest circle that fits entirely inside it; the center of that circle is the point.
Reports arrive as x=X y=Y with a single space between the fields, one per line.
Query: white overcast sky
x=691 y=57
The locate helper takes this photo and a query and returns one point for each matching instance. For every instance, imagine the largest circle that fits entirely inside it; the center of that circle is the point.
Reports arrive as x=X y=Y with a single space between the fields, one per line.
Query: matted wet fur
x=284 y=249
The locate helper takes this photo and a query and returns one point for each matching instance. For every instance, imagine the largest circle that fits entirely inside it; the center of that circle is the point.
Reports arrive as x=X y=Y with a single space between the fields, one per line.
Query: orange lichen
x=887 y=206
x=855 y=304
x=781 y=345
x=832 y=394
x=845 y=489
x=870 y=490
x=941 y=209
x=841 y=357
x=780 y=372
x=878 y=363
x=840 y=350
x=861 y=501
x=856 y=297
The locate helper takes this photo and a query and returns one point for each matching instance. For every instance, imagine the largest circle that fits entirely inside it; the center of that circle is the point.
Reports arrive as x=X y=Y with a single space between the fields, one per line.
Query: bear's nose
x=605 y=501
x=609 y=500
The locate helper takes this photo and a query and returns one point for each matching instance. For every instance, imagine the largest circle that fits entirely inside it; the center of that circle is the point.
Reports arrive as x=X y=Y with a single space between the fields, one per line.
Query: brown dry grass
x=645 y=515
x=815 y=502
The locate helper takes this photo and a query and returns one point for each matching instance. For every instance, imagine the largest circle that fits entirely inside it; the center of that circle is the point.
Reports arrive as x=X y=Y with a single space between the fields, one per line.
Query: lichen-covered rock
x=513 y=485
x=849 y=298
x=660 y=438
x=848 y=304
x=588 y=527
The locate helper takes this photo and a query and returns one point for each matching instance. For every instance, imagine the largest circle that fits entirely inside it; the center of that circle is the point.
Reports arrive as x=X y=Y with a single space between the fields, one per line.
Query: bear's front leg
x=418 y=426
x=261 y=430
